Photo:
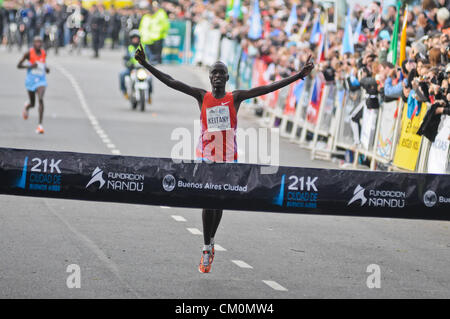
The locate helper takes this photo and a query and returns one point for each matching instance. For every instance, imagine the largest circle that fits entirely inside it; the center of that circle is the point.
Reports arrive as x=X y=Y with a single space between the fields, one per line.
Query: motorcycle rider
x=131 y=62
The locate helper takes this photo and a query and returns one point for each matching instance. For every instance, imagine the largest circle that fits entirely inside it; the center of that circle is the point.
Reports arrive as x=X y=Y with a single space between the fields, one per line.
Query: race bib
x=218 y=118
x=39 y=70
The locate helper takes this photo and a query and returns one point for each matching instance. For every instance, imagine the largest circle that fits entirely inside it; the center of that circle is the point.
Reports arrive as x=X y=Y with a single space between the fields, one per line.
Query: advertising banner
x=235 y=186
x=368 y=127
x=408 y=147
x=173 y=46
x=438 y=157
x=387 y=126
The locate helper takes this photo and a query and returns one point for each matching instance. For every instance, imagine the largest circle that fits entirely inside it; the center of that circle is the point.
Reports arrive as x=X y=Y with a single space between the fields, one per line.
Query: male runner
x=218 y=110
x=36 y=81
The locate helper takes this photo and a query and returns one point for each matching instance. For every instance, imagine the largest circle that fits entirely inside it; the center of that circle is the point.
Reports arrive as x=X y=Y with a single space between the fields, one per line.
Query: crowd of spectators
x=423 y=76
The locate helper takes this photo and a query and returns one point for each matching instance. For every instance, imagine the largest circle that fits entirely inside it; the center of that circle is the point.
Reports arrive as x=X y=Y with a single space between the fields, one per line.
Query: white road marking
x=242 y=264
x=92 y=246
x=274 y=285
x=178 y=218
x=87 y=110
x=164 y=207
x=219 y=248
x=194 y=231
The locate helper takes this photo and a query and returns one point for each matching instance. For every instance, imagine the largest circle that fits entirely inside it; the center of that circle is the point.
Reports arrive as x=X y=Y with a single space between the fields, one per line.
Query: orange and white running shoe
x=40 y=129
x=213 y=253
x=205 y=262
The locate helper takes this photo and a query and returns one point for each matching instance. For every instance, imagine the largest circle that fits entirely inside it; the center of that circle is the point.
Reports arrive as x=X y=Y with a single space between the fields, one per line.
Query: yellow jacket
x=154 y=27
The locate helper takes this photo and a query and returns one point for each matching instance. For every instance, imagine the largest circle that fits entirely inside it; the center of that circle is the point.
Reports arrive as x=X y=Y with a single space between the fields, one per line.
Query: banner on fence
x=368 y=127
x=200 y=41
x=408 y=147
x=173 y=46
x=438 y=157
x=386 y=132
x=160 y=181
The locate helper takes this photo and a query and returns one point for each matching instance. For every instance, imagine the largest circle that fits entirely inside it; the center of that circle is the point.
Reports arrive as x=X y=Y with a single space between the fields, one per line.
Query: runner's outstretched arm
x=242 y=95
x=167 y=79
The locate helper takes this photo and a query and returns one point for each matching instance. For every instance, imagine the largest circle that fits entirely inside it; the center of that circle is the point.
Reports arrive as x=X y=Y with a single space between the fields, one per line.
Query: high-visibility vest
x=154 y=27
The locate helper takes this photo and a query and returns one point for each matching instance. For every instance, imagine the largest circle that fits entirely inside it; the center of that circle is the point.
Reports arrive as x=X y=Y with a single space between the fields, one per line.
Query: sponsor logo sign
x=297 y=191
x=44 y=175
x=116 y=181
x=377 y=198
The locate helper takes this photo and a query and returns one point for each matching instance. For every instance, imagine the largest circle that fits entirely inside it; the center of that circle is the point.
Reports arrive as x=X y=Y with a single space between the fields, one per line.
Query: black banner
x=161 y=181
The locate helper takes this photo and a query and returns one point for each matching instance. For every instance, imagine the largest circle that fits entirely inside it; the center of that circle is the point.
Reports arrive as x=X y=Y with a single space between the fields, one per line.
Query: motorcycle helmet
x=134 y=33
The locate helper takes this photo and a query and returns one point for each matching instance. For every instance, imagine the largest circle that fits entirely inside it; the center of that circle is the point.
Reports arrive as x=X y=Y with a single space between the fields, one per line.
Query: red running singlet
x=218 y=119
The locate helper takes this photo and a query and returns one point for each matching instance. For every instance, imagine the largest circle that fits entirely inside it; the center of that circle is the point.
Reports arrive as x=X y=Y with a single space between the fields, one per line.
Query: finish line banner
x=161 y=181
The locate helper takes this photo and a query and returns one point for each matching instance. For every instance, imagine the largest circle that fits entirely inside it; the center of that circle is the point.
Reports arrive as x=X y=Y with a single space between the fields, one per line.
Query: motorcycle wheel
x=142 y=100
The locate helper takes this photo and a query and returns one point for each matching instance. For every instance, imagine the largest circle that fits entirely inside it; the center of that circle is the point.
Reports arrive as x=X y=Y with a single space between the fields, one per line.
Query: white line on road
x=178 y=218
x=92 y=246
x=274 y=285
x=242 y=264
x=164 y=207
x=219 y=248
x=194 y=231
x=87 y=110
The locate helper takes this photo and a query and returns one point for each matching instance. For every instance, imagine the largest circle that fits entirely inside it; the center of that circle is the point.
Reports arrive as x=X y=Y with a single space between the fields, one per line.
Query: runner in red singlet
x=218 y=116
x=36 y=80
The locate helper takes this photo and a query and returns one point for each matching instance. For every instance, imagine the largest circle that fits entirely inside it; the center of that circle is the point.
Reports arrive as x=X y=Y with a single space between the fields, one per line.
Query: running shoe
x=205 y=262
x=213 y=253
x=40 y=129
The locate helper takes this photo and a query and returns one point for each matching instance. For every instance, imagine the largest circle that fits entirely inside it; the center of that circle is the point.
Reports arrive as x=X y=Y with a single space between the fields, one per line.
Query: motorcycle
x=138 y=85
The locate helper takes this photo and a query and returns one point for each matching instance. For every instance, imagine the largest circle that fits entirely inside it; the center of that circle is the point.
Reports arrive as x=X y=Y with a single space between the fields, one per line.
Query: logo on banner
x=378 y=198
x=168 y=183
x=430 y=198
x=301 y=192
x=117 y=181
x=358 y=194
x=44 y=175
x=97 y=176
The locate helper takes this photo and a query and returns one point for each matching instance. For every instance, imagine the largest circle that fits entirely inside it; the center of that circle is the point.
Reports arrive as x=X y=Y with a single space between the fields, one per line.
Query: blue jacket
x=393 y=91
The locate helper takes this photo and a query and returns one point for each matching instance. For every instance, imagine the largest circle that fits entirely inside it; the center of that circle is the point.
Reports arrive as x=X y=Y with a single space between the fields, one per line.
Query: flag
x=316 y=31
x=289 y=107
x=236 y=10
x=304 y=24
x=358 y=36
x=378 y=23
x=298 y=89
x=316 y=97
x=292 y=20
x=229 y=8
x=347 y=44
x=255 y=31
x=403 y=39
x=392 y=53
x=322 y=51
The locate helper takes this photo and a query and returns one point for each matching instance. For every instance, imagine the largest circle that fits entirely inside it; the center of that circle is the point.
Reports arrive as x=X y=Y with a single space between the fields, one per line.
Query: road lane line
x=194 y=231
x=178 y=218
x=110 y=265
x=87 y=110
x=164 y=207
x=219 y=248
x=242 y=264
x=274 y=285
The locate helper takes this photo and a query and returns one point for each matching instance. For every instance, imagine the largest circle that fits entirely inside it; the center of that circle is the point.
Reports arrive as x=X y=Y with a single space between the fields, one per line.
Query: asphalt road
x=129 y=251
